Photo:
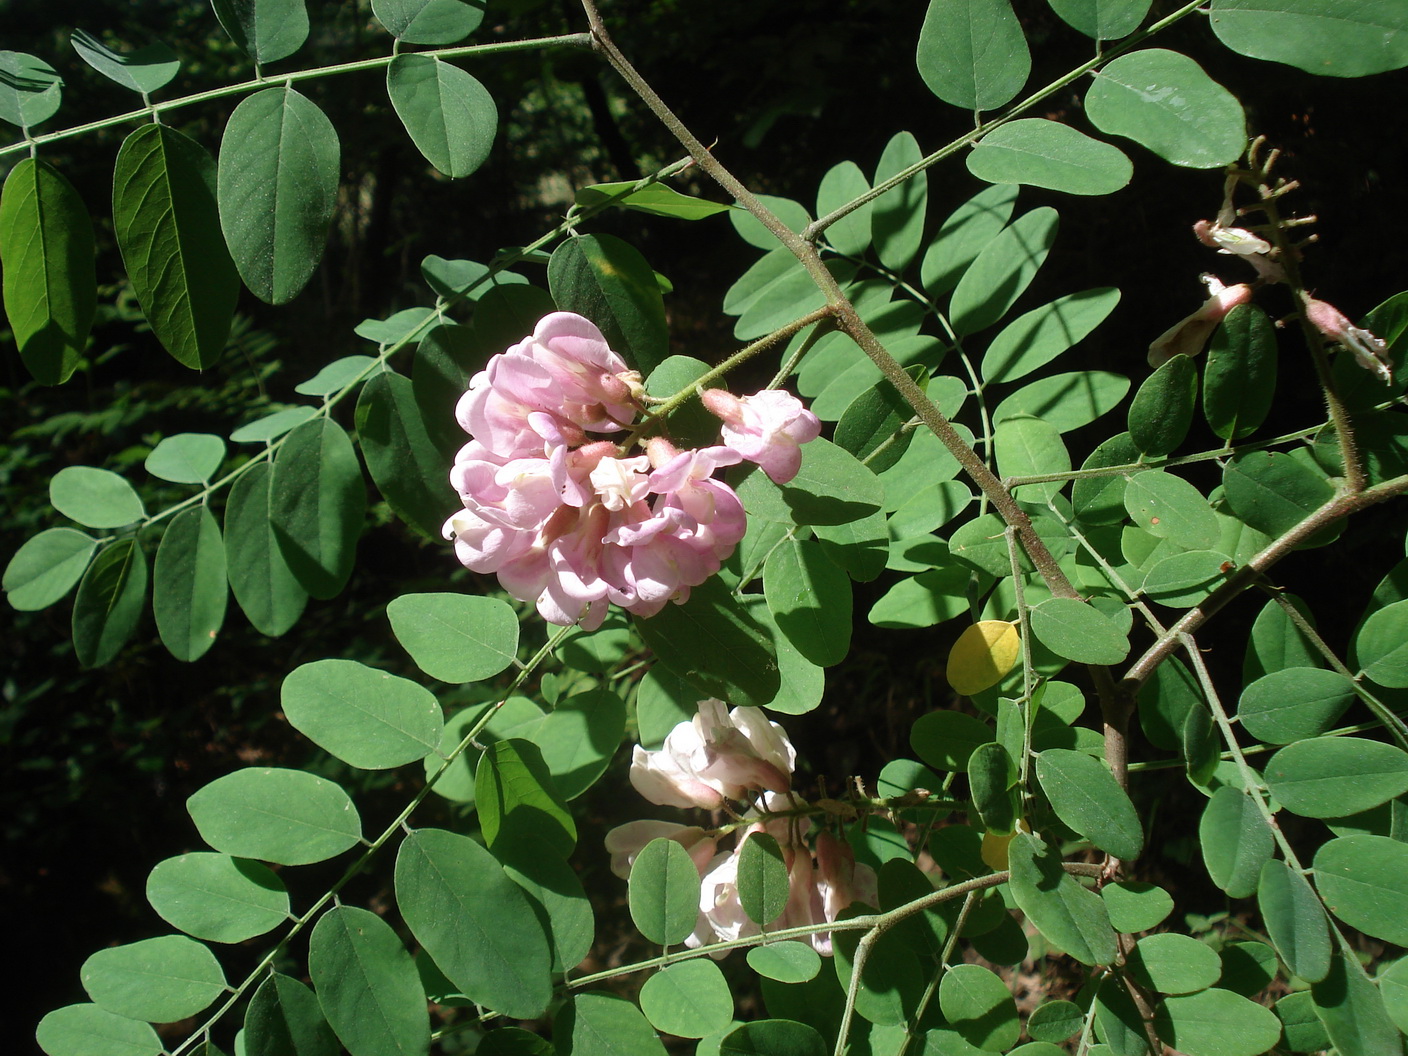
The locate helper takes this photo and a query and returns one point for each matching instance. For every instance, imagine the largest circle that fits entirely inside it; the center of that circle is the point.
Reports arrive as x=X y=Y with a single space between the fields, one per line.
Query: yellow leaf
x=994 y=850
x=983 y=654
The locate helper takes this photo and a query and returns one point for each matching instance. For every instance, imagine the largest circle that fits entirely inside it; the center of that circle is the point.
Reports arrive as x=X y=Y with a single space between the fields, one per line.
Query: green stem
x=579 y=40
x=812 y=230
x=375 y=846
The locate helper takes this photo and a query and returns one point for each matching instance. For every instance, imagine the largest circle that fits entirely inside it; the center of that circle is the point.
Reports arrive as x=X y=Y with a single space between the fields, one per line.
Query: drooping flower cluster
x=565 y=517
x=728 y=755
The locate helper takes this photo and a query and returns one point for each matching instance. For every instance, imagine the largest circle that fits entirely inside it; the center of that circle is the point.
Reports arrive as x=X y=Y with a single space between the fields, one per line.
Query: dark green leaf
x=1294 y=703
x=773 y=1037
x=1162 y=410
x=283 y=1019
x=429 y=21
x=1216 y=1023
x=945 y=739
x=1174 y=964
x=87 y=1030
x=168 y=228
x=1164 y=101
x=991 y=775
x=1185 y=579
x=1068 y=915
x=50 y=286
x=690 y=999
x=1040 y=335
x=96 y=498
x=1102 y=19
x=186 y=458
x=1076 y=631
x=1294 y=920
x=762 y=879
x=449 y=115
x=874 y=419
x=963 y=235
x=144 y=70
x=216 y=897
x=265 y=30
x=832 y=487
x=1067 y=401
x=1003 y=270
x=366 y=718
x=664 y=892
x=109 y=603
x=810 y=598
x=400 y=454
x=317 y=503
x=1364 y=882
x=1273 y=492
x=1381 y=647
x=367 y=984
x=1352 y=1010
x=262 y=582
x=475 y=922
x=557 y=898
x=1043 y=153
x=46 y=567
x=159 y=980
x=189 y=590
x=518 y=802
x=1239 y=381
x=1276 y=643
x=1331 y=777
x=594 y=1024
x=972 y=53
x=279 y=169
x=609 y=282
x=713 y=643
x=1236 y=841
x=897 y=216
x=1325 y=37
x=979 y=1006
x=455 y=637
x=690 y=425
x=1055 y=1021
x=286 y=816
x=656 y=199
x=1086 y=796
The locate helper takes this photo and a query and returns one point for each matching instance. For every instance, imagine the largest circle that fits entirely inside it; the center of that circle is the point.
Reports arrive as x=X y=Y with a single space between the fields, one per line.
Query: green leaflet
x=279 y=169
x=189 y=589
x=260 y=578
x=217 y=897
x=519 y=804
x=1236 y=841
x=474 y=921
x=284 y=1017
x=843 y=183
x=87 y=1030
x=1002 y=271
x=689 y=1000
x=145 y=70
x=597 y=1024
x=1068 y=914
x=158 y=980
x=265 y=30
x=1364 y=881
x=30 y=89
x=428 y=21
x=657 y=199
x=50 y=286
x=367 y=984
x=455 y=637
x=290 y=817
x=1325 y=37
x=972 y=53
x=762 y=879
x=1162 y=410
x=1086 y=796
x=168 y=228
x=1034 y=339
x=317 y=504
x=402 y=458
x=1102 y=19
x=449 y=115
x=1043 y=153
x=897 y=216
x=609 y=282
x=95 y=498
x=664 y=892
x=1239 y=381
x=1164 y=101
x=365 y=717
x=1295 y=921
x=963 y=235
x=810 y=598
x=186 y=458
x=46 y=568
x=109 y=603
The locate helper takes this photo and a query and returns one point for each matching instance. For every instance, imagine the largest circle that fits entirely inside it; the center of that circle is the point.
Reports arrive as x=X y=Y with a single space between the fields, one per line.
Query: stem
x=356 y=867
x=812 y=230
x=579 y=40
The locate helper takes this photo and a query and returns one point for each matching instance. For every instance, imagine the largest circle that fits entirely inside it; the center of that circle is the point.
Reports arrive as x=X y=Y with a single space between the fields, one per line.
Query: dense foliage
x=1068 y=564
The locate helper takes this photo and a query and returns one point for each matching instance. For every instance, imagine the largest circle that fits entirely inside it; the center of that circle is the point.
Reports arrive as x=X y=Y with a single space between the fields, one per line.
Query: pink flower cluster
x=570 y=521
x=722 y=755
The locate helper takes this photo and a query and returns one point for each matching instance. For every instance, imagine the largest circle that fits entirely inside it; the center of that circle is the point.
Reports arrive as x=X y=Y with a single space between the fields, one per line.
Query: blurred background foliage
x=95 y=766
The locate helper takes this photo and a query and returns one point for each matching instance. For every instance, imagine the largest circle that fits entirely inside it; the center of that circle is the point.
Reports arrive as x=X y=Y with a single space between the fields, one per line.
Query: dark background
x=95 y=766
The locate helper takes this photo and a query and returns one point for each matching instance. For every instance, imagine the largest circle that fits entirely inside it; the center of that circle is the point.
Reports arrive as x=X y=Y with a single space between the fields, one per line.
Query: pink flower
x=1190 y=335
x=625 y=842
x=768 y=428
x=1370 y=352
x=718 y=755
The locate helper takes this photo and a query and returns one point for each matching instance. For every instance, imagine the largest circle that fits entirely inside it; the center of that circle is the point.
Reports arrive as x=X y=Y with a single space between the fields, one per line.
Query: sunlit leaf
x=449 y=115
x=1039 y=336
x=145 y=70
x=689 y=1000
x=1294 y=919
x=158 y=980
x=1002 y=271
x=87 y=1030
x=286 y=816
x=664 y=892
x=972 y=53
x=1216 y=1023
x=30 y=89
x=1236 y=841
x=1049 y=154
x=1326 y=37
x=657 y=199
x=1331 y=777
x=189 y=590
x=217 y=897
x=842 y=184
x=897 y=216
x=265 y=30
x=317 y=503
x=46 y=567
x=365 y=717
x=607 y=280
x=429 y=21
x=50 y=286
x=1071 y=916
x=96 y=498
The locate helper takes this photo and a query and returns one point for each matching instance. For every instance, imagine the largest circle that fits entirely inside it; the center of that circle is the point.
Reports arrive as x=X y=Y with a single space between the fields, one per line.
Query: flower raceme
x=569 y=520
x=723 y=755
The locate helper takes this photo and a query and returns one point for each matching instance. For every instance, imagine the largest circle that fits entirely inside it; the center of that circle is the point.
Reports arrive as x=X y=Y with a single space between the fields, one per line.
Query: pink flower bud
x=767 y=428
x=1370 y=352
x=1189 y=336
